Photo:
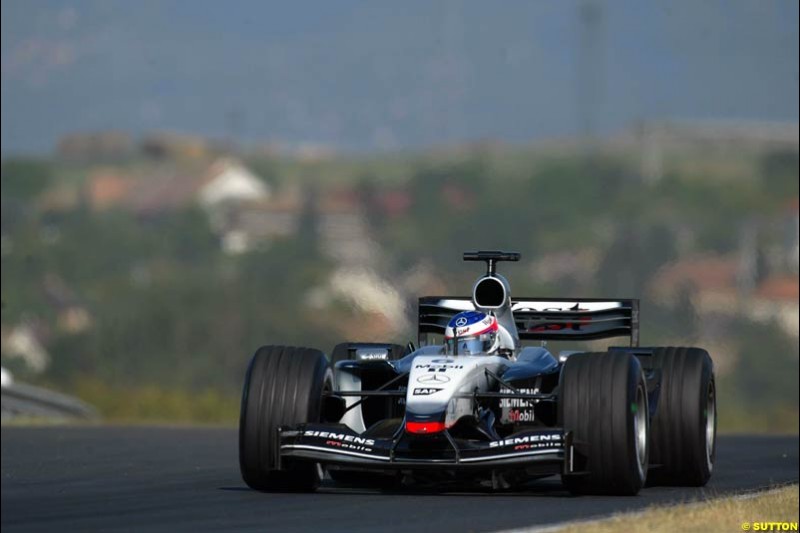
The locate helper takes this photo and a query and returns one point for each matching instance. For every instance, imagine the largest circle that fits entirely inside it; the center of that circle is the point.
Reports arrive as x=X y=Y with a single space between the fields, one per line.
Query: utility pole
x=590 y=69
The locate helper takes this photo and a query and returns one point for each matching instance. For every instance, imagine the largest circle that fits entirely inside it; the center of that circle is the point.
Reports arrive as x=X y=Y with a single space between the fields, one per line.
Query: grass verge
x=751 y=512
x=153 y=404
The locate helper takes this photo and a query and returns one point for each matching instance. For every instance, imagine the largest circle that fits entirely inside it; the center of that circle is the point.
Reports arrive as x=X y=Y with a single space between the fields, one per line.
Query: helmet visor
x=480 y=344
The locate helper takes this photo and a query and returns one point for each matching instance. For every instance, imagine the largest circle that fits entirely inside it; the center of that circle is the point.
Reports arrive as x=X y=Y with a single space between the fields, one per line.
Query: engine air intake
x=490 y=293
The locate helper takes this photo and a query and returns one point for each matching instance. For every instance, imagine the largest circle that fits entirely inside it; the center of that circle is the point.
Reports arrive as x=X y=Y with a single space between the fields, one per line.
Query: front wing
x=547 y=450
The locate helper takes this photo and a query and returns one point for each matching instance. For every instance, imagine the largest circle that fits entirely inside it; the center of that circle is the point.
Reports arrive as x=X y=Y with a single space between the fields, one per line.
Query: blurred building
x=171 y=146
x=343 y=231
x=154 y=190
x=96 y=146
x=23 y=341
x=229 y=180
x=791 y=230
x=107 y=188
x=776 y=300
x=72 y=315
x=715 y=287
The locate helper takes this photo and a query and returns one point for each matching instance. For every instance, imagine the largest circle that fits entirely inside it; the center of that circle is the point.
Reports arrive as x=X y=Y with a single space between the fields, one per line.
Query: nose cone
x=431 y=384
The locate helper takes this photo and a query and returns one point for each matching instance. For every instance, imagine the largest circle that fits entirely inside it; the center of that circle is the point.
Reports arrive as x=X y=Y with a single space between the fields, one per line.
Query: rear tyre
x=603 y=402
x=685 y=423
x=283 y=386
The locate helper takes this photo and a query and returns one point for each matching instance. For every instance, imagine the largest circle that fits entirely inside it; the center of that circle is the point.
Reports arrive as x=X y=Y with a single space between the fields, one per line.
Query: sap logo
x=427 y=391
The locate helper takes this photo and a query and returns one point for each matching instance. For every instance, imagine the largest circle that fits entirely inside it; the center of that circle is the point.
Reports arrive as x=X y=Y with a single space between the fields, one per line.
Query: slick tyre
x=283 y=386
x=603 y=402
x=685 y=423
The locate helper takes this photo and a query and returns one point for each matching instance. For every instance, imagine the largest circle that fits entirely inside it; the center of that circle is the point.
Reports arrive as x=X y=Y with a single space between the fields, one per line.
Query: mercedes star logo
x=461 y=321
x=433 y=378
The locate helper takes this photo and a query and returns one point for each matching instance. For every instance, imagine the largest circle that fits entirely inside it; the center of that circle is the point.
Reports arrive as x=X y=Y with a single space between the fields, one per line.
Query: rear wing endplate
x=544 y=318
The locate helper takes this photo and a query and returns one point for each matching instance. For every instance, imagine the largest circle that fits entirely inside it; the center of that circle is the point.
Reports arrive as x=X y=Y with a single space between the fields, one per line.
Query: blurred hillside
x=142 y=273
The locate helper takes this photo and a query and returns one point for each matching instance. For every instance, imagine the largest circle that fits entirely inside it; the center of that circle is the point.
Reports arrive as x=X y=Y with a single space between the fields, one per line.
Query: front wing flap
x=338 y=444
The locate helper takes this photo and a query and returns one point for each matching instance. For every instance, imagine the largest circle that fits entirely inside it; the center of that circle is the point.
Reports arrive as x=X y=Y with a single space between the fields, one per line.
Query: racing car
x=475 y=399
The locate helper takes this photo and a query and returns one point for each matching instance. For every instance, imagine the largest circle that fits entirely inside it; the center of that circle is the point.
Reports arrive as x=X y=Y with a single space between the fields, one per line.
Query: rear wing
x=544 y=318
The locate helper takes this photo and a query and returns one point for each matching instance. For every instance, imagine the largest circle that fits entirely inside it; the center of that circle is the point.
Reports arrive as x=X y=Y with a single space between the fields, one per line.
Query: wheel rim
x=711 y=424
x=640 y=429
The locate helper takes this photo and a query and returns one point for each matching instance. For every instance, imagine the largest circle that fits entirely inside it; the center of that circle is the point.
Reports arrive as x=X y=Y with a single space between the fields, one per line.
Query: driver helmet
x=475 y=332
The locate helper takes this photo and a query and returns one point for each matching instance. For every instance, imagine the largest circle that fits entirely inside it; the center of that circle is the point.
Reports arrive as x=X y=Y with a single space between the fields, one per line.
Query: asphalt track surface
x=187 y=479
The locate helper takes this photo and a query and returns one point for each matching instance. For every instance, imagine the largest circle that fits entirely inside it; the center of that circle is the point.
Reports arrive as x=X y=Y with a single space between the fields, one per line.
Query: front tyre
x=603 y=402
x=283 y=386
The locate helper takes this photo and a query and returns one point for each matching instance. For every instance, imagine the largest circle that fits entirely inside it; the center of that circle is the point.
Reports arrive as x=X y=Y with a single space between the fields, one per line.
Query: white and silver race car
x=471 y=404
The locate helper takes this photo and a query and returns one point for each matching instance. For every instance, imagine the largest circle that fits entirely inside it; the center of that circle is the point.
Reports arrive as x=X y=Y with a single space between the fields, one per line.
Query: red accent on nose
x=424 y=428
